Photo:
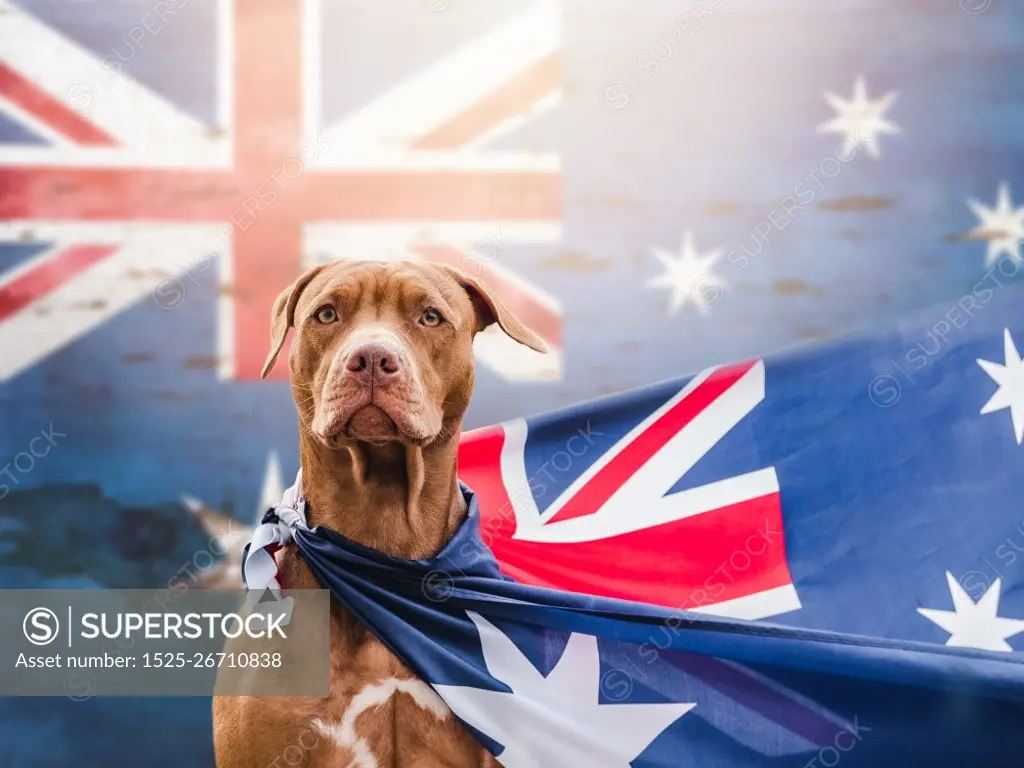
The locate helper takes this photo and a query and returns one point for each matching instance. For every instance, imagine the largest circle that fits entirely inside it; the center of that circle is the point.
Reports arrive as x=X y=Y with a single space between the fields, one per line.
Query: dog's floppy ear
x=489 y=309
x=283 y=316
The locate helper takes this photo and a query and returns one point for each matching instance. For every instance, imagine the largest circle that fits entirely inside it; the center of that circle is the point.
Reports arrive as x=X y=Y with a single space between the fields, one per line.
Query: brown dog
x=382 y=371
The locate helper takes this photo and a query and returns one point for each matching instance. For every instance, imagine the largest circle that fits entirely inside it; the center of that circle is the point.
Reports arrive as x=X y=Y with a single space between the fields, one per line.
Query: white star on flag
x=1002 y=226
x=229 y=534
x=1010 y=378
x=975 y=625
x=689 y=276
x=860 y=120
x=555 y=720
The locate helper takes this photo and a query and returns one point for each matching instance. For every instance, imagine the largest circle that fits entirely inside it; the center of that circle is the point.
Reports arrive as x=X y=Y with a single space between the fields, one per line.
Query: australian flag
x=786 y=562
x=656 y=188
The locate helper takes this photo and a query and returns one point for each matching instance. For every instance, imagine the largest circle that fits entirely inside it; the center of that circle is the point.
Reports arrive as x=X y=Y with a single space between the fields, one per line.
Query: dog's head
x=384 y=350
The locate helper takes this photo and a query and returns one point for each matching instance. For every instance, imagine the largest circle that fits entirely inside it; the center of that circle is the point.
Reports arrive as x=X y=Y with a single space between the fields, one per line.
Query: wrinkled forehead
x=382 y=288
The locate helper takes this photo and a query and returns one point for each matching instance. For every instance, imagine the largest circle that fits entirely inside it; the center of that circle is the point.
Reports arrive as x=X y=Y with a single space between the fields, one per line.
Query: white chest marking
x=343 y=733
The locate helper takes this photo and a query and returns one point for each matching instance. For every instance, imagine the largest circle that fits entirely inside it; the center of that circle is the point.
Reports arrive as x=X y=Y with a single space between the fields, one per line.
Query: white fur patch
x=343 y=733
x=373 y=332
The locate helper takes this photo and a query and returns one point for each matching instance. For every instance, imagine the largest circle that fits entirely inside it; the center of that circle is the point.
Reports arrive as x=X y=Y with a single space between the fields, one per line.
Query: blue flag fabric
x=898 y=462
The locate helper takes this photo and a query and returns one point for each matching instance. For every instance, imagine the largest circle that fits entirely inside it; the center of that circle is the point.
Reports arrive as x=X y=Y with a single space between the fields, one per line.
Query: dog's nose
x=377 y=360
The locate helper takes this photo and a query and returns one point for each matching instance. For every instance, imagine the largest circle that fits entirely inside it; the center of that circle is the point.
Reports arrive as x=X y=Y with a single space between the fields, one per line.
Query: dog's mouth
x=373 y=418
x=371 y=423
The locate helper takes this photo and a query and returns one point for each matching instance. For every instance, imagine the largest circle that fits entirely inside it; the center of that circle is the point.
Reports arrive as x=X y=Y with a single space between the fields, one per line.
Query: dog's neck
x=398 y=499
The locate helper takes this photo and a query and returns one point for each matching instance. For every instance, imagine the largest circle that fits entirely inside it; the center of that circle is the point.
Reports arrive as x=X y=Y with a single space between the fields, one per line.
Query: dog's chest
x=379 y=714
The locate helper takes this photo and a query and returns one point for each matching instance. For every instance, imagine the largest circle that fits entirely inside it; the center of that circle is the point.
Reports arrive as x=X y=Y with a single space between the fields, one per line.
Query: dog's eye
x=431 y=317
x=326 y=315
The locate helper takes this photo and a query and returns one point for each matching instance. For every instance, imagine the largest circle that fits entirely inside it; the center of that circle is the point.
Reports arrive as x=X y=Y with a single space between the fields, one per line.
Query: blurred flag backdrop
x=655 y=187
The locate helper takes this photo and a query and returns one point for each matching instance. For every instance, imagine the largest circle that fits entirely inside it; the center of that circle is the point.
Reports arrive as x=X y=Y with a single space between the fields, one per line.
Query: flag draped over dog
x=787 y=561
